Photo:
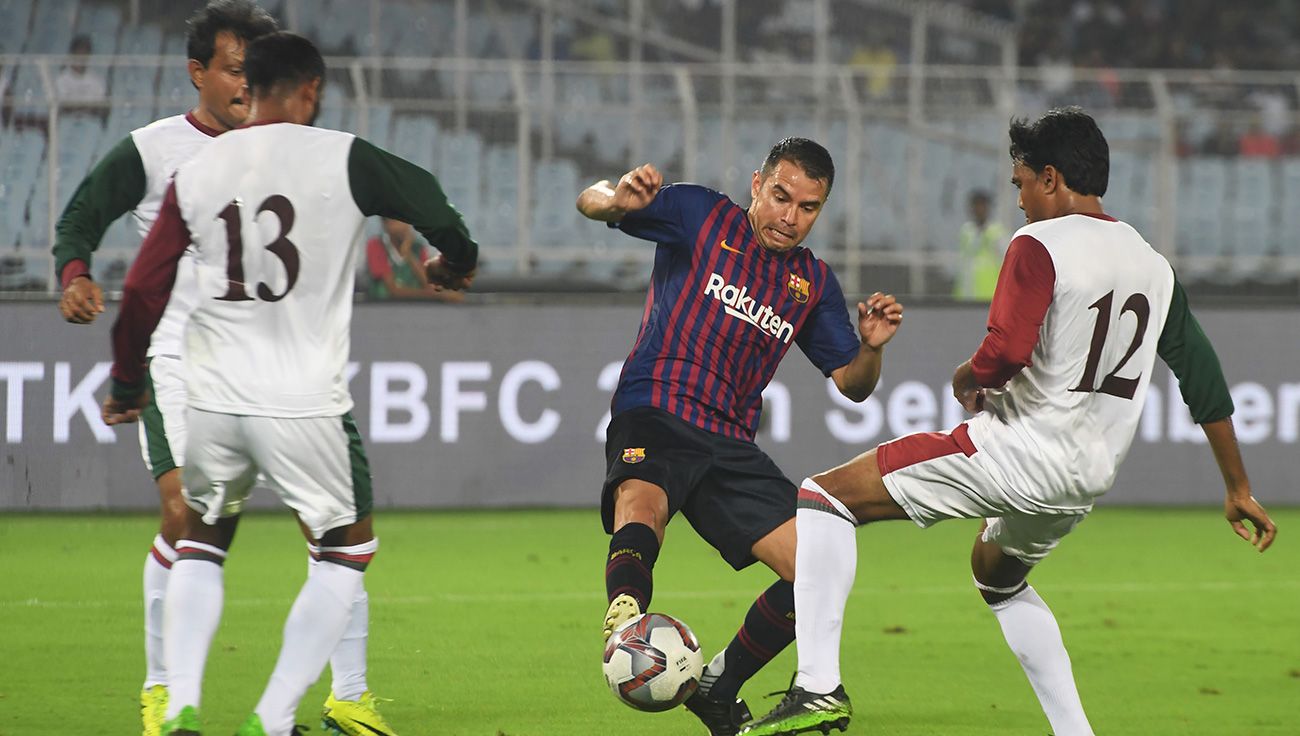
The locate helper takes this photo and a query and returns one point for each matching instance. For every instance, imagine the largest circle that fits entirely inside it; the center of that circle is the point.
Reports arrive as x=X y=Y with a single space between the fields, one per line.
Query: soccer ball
x=653 y=662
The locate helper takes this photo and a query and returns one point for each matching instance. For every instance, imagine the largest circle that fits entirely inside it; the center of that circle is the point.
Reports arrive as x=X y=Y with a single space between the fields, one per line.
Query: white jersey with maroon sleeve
x=163 y=146
x=1073 y=329
x=275 y=231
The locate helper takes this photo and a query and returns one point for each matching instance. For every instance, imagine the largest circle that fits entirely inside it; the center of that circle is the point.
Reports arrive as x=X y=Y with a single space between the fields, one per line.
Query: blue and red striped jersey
x=721 y=313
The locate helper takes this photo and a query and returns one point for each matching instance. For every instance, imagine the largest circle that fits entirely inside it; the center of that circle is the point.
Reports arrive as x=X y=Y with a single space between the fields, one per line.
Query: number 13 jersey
x=274 y=213
x=1082 y=308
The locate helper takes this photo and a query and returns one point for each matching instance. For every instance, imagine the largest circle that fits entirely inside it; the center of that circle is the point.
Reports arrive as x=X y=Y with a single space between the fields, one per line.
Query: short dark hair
x=281 y=59
x=241 y=17
x=979 y=195
x=81 y=42
x=1068 y=139
x=809 y=155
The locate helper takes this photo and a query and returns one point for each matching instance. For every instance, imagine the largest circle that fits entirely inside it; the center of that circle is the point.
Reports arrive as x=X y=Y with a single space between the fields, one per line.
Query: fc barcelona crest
x=633 y=455
x=798 y=288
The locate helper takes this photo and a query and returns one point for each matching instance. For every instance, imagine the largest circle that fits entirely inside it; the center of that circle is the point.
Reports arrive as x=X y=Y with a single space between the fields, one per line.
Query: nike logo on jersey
x=738 y=303
x=723 y=245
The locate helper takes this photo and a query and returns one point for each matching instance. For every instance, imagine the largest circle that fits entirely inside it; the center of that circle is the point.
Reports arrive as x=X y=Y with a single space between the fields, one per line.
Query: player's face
x=1033 y=200
x=221 y=84
x=785 y=205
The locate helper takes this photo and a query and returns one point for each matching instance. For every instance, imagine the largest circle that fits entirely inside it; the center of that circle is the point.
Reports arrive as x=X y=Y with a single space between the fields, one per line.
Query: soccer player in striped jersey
x=732 y=290
x=1082 y=308
x=273 y=213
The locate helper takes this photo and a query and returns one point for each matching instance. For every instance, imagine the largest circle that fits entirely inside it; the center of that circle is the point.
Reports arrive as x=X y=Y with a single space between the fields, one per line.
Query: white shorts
x=316 y=465
x=162 y=423
x=939 y=475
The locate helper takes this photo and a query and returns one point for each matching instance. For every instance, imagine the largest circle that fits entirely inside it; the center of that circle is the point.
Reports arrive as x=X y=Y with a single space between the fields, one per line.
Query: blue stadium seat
x=554 y=217
x=102 y=23
x=51 y=30
x=1289 y=207
x=37 y=232
x=1254 y=229
x=661 y=139
x=460 y=171
x=27 y=93
x=414 y=139
x=498 y=224
x=175 y=91
x=15 y=19
x=1203 y=228
x=335 y=114
x=134 y=83
x=144 y=40
x=380 y=128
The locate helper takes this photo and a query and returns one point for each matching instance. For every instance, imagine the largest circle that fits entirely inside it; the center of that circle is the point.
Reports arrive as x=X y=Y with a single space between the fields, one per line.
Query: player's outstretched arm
x=390 y=186
x=878 y=321
x=634 y=191
x=1239 y=506
x=1184 y=347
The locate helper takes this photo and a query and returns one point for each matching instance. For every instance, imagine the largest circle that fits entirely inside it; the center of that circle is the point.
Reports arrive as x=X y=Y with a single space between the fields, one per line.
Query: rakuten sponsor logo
x=737 y=303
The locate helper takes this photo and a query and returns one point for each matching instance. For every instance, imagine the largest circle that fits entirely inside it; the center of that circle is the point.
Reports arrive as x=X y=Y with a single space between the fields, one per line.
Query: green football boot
x=803 y=712
x=186 y=723
x=355 y=717
x=253 y=727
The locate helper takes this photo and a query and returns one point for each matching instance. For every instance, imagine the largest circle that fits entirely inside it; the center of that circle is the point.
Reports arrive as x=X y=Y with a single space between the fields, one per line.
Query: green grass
x=487 y=623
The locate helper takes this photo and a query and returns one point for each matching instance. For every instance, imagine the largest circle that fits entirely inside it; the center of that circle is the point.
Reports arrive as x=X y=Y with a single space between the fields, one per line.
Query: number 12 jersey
x=1082 y=308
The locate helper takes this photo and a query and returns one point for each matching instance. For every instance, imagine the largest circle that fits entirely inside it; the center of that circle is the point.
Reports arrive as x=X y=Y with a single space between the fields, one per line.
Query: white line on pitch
x=860 y=592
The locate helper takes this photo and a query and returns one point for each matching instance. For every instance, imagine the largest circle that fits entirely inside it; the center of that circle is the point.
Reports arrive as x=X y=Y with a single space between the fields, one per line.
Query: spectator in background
x=1257 y=142
x=879 y=61
x=76 y=84
x=1222 y=141
x=395 y=262
x=981 y=246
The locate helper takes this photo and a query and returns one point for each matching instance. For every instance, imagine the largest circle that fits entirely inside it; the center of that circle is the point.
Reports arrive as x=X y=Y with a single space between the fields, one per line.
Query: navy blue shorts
x=729 y=490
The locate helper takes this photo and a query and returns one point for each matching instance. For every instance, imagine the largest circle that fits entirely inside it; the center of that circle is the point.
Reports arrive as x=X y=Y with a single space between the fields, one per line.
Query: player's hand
x=638 y=187
x=123 y=411
x=878 y=319
x=82 y=301
x=441 y=275
x=1245 y=508
x=965 y=389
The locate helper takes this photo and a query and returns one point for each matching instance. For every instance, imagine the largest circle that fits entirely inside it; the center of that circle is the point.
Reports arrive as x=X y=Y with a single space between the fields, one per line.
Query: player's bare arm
x=966 y=389
x=1239 y=506
x=82 y=301
x=635 y=190
x=878 y=320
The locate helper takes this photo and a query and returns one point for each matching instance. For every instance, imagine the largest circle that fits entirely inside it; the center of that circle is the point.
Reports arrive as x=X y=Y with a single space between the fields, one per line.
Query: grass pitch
x=487 y=624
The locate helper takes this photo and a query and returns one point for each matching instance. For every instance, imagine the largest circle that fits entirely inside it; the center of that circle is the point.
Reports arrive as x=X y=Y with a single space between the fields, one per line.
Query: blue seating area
x=1234 y=216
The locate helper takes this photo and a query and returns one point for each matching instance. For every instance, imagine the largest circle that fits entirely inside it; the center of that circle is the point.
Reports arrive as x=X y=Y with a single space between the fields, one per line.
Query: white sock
x=195 y=595
x=1031 y=632
x=157 y=567
x=314 y=628
x=826 y=561
x=348 y=663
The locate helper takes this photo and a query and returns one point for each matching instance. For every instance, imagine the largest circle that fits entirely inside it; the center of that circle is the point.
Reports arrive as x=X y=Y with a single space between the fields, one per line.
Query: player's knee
x=174 y=512
x=641 y=503
x=784 y=569
x=995 y=580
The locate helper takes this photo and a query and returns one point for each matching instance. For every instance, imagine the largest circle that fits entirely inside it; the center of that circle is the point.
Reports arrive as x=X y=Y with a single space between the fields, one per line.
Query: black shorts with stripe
x=729 y=490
